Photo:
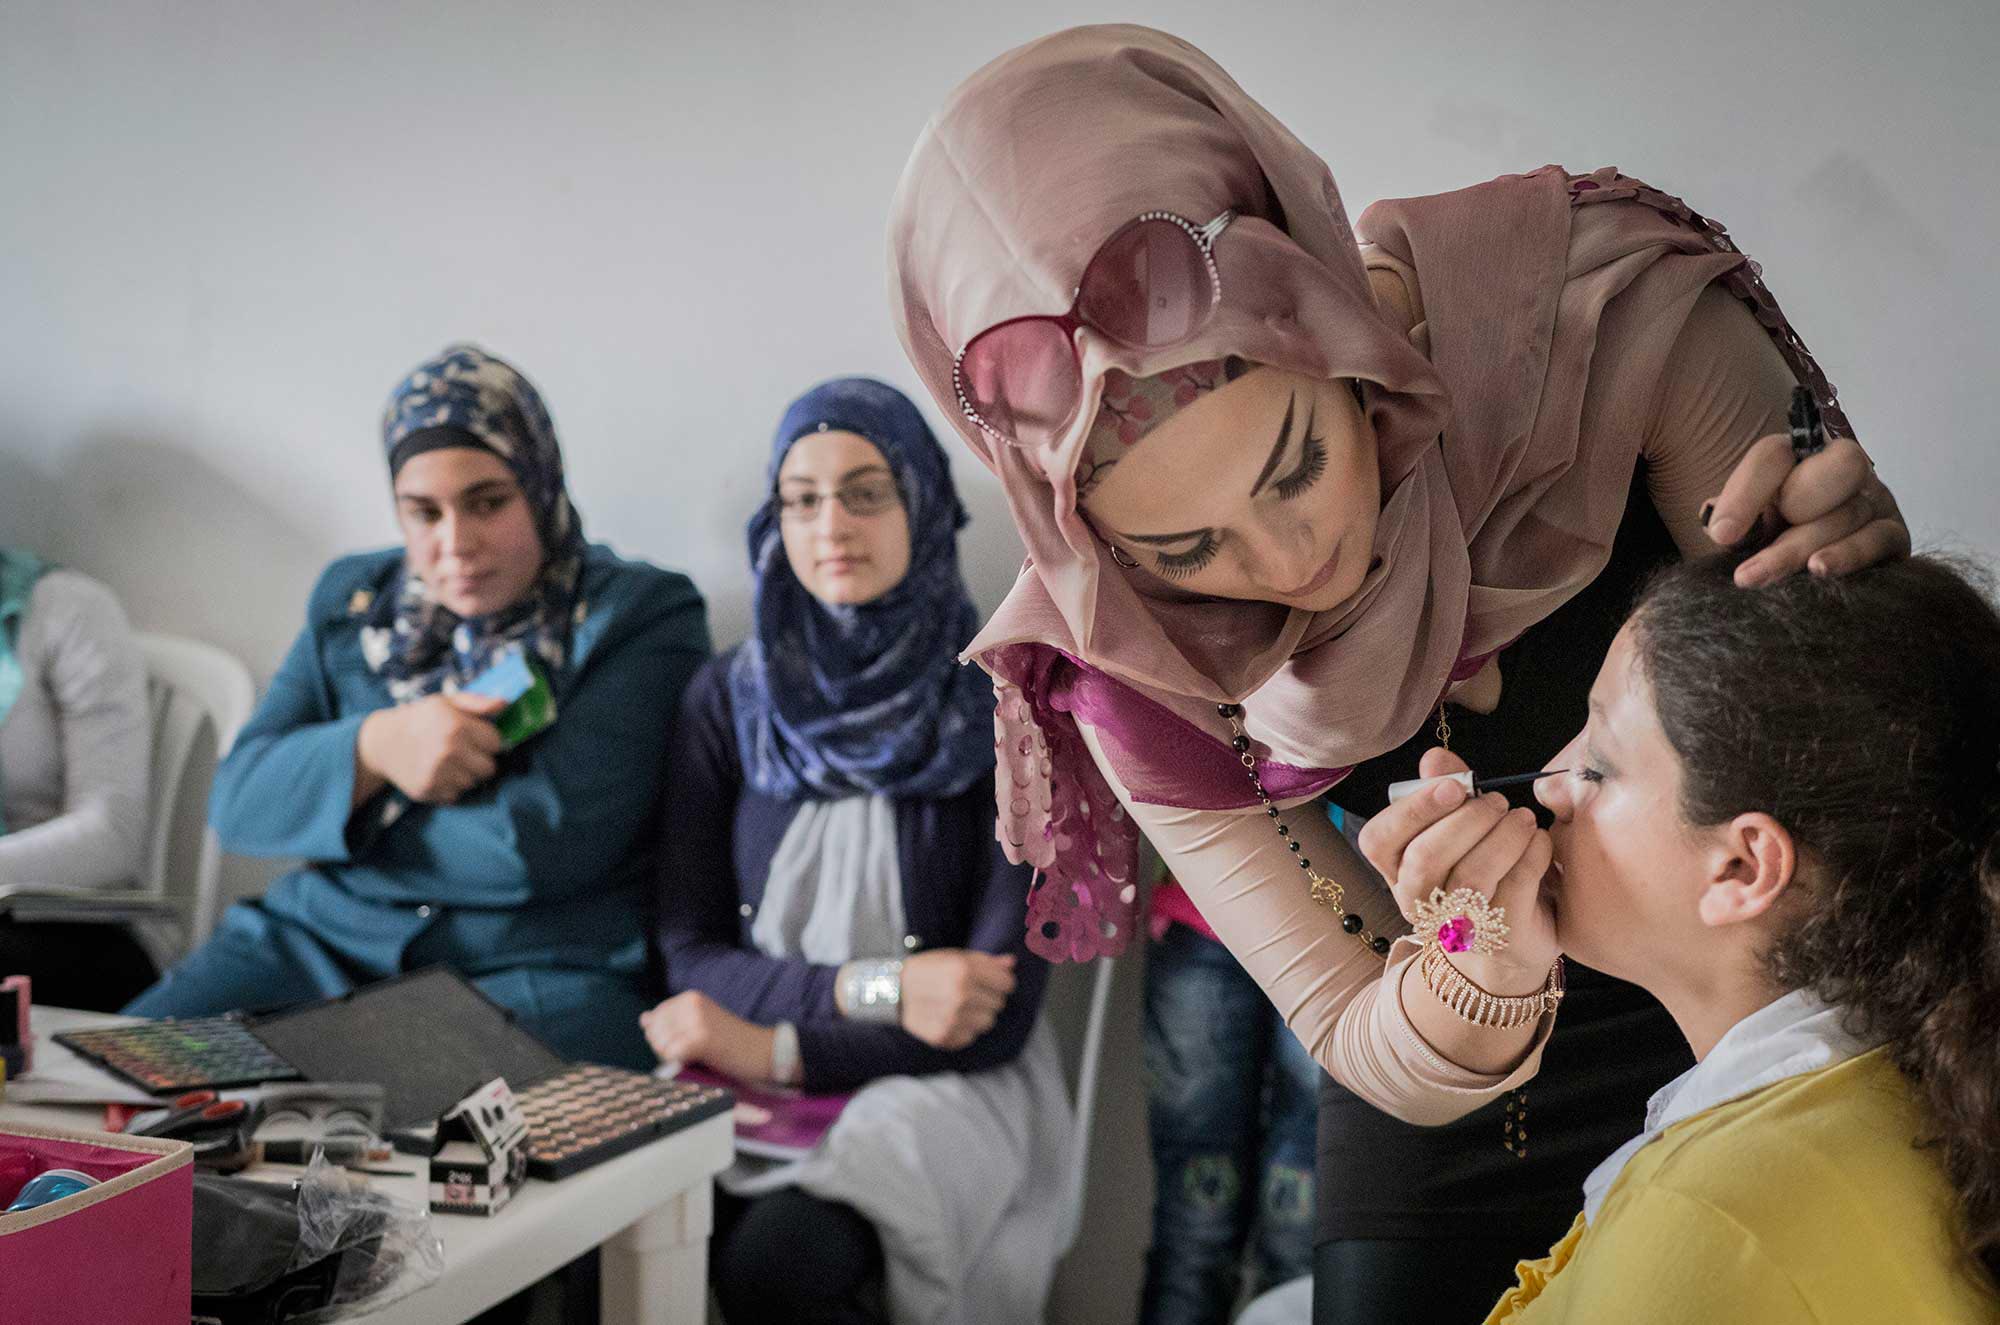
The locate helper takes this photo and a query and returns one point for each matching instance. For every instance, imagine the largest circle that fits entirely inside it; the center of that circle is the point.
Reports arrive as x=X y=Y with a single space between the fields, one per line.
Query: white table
x=649 y=1210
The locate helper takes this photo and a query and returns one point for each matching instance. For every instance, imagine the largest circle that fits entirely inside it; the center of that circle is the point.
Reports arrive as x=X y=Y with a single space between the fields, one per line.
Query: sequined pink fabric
x=1058 y=814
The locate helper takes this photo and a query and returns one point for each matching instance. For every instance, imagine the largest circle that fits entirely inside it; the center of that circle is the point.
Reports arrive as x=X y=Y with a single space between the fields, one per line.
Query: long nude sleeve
x=1333 y=993
x=1723 y=386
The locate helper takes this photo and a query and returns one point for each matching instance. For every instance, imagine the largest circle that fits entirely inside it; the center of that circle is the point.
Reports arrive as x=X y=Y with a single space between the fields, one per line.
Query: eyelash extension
x=1311 y=465
x=1180 y=565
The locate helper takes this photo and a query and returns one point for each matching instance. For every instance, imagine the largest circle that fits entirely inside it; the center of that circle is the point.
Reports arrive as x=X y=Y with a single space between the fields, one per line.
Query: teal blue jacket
x=546 y=865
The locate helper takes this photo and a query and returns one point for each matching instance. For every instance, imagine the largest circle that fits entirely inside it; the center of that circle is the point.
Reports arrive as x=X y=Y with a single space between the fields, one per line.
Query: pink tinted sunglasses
x=1152 y=284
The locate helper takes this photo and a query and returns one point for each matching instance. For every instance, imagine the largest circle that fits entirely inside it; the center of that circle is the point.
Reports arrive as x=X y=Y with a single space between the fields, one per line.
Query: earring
x=1118 y=555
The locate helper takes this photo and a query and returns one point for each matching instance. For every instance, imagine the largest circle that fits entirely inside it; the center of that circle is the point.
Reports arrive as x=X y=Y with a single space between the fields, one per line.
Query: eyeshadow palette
x=587 y=1114
x=427 y=1039
x=169 y=1057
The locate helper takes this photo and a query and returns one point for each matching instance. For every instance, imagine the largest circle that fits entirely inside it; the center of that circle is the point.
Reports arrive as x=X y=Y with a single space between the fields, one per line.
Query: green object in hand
x=518 y=679
x=530 y=714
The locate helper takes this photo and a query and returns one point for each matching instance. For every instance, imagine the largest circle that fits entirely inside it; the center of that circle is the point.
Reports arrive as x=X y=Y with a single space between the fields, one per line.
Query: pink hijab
x=1507 y=424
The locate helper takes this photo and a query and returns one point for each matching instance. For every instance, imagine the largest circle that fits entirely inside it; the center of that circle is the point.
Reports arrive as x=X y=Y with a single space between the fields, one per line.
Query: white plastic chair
x=189 y=685
x=1086 y=1098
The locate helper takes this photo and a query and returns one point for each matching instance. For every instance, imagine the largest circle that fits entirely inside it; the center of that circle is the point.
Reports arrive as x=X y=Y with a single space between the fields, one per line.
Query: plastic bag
x=390 y=1248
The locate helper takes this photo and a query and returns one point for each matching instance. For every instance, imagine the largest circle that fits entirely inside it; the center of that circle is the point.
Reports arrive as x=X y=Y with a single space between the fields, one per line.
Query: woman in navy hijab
x=835 y=913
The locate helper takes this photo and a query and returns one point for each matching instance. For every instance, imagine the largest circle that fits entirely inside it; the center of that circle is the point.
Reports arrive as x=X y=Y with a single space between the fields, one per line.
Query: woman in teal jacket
x=428 y=837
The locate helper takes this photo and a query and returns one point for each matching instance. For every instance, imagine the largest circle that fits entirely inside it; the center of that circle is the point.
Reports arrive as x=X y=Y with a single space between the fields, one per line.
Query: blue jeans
x=1233 y=1100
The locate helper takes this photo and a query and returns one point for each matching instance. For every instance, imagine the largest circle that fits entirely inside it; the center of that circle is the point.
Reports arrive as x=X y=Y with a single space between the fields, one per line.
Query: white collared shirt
x=1799 y=1033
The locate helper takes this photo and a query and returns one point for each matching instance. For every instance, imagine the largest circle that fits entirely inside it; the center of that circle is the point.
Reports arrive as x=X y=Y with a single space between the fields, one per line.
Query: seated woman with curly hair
x=1783 y=820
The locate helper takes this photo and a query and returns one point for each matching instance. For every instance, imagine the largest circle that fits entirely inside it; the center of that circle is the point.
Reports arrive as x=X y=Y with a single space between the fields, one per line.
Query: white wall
x=226 y=229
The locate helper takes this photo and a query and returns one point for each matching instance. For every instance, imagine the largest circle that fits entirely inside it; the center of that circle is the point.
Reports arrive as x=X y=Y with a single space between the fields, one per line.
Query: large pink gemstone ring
x=1460 y=921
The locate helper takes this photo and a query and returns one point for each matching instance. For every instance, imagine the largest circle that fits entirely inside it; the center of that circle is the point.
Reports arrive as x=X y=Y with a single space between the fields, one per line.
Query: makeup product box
x=119 y=1251
x=481 y=1155
x=17 y=1042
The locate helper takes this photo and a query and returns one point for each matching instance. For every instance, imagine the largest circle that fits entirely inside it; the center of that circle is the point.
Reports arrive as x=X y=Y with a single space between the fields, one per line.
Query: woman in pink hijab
x=1300 y=499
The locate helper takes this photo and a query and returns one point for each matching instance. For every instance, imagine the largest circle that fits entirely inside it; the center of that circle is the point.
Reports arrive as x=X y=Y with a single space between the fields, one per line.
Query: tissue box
x=120 y=1251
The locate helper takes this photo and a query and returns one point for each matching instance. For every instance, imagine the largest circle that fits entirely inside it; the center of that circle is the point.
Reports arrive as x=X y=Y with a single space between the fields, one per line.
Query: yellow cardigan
x=1805 y=1203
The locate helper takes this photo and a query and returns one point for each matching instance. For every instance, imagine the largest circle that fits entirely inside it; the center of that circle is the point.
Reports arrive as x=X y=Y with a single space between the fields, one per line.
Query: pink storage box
x=121 y=1251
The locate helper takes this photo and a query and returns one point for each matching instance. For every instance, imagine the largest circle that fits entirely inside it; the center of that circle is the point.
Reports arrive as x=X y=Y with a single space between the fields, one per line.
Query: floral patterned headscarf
x=467 y=397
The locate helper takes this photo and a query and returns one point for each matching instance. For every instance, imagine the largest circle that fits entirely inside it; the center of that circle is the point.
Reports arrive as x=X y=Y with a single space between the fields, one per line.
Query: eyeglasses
x=1152 y=284
x=861 y=499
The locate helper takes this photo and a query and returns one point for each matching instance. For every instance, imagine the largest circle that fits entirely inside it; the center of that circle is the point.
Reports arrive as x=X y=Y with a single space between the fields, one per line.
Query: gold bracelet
x=1471 y=1003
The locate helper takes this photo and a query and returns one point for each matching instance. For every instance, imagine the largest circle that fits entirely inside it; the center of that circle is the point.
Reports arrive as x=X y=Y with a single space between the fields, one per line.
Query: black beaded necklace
x=1330 y=894
x=1327 y=892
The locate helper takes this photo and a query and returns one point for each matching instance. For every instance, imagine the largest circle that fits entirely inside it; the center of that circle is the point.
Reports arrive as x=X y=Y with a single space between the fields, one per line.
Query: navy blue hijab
x=867 y=699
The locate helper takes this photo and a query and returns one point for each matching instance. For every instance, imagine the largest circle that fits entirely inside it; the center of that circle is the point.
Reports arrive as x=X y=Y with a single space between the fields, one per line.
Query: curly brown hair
x=1863 y=714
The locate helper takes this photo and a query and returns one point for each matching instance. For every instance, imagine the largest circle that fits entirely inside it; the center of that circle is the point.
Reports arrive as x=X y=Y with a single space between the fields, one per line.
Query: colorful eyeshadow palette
x=169 y=1057
x=587 y=1114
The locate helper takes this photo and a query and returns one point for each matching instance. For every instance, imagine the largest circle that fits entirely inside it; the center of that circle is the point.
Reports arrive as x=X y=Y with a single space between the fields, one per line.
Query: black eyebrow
x=1278 y=451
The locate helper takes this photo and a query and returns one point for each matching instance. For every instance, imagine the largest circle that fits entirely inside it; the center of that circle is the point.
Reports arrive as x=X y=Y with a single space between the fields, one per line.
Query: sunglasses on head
x=1153 y=284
